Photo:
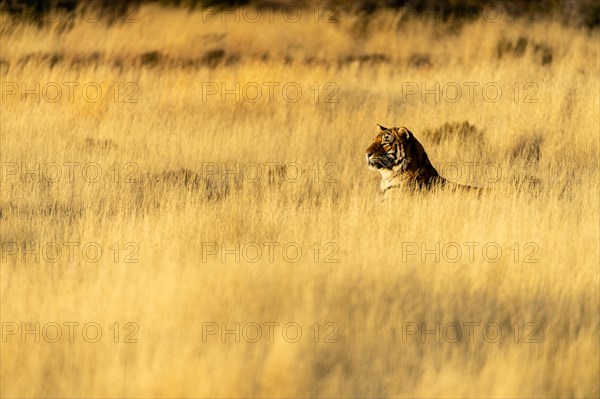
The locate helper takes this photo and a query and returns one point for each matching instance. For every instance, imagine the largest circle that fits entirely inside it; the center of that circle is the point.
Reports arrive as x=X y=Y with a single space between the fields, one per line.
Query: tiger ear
x=382 y=127
x=403 y=133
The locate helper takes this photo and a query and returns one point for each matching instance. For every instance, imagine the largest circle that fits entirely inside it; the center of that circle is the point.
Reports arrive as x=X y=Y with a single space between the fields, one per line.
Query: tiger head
x=392 y=149
x=398 y=156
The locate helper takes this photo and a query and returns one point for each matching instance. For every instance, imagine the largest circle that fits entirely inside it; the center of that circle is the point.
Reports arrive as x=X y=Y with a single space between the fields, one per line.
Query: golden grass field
x=171 y=197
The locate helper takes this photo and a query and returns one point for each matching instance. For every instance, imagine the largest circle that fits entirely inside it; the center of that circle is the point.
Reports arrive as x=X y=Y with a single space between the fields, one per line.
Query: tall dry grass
x=177 y=148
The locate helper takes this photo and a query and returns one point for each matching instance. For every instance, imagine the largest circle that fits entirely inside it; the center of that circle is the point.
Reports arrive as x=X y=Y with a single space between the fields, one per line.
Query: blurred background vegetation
x=583 y=13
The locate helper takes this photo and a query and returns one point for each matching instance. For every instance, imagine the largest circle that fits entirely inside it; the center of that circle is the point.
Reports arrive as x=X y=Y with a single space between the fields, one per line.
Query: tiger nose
x=369 y=153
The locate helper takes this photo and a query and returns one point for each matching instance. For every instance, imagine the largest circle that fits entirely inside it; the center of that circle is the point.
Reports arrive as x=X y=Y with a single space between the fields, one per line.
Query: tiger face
x=391 y=150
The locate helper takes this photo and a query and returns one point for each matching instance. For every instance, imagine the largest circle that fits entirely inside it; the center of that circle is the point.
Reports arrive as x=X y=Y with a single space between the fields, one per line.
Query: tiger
x=404 y=165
